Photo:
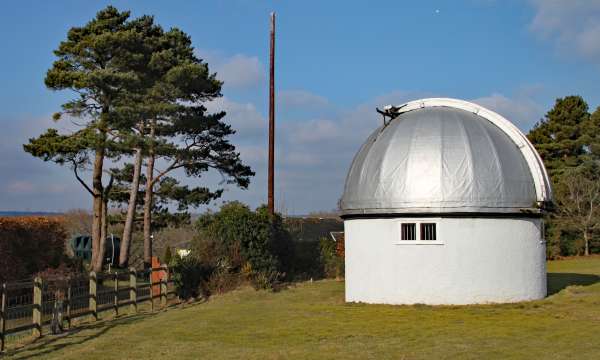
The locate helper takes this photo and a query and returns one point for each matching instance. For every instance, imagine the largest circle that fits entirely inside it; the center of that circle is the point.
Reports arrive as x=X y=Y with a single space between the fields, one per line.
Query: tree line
x=139 y=94
x=568 y=140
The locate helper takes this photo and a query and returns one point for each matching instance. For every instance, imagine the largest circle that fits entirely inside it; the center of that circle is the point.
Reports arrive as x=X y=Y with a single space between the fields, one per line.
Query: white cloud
x=237 y=71
x=301 y=158
x=28 y=183
x=522 y=110
x=241 y=71
x=574 y=25
x=21 y=187
x=301 y=98
x=253 y=154
x=242 y=116
x=314 y=131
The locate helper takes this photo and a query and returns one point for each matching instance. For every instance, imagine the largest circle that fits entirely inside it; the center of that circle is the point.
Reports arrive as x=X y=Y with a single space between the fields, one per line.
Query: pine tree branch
x=80 y=179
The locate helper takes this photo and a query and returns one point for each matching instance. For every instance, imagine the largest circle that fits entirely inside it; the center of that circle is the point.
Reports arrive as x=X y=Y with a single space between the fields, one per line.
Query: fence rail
x=26 y=307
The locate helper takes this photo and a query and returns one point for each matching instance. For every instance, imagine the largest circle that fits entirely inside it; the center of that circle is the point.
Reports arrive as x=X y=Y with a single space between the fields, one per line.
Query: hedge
x=29 y=245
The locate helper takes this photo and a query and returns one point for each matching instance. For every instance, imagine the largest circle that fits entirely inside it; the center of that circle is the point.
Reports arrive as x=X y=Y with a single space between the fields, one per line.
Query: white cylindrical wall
x=480 y=260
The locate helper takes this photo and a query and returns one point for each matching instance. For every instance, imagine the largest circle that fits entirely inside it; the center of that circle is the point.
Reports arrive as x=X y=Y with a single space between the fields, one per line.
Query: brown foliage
x=340 y=246
x=29 y=245
x=77 y=222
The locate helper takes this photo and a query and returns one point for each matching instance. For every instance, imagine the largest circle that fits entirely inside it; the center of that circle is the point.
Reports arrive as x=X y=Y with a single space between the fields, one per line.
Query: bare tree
x=578 y=200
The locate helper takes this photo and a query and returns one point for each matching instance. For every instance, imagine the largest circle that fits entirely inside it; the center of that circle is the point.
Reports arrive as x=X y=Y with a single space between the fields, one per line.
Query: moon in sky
x=437 y=11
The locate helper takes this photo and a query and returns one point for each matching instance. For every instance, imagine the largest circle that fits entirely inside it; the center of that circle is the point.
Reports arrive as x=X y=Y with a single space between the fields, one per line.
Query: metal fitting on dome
x=390 y=111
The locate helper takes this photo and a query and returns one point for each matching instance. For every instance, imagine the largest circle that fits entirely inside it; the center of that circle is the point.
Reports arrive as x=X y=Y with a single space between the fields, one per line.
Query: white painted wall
x=481 y=260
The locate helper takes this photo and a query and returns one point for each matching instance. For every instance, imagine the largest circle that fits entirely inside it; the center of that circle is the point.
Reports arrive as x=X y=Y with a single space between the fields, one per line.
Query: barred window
x=428 y=231
x=409 y=231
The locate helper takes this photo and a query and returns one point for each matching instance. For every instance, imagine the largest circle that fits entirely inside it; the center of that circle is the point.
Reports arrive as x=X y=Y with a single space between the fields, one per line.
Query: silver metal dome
x=446 y=156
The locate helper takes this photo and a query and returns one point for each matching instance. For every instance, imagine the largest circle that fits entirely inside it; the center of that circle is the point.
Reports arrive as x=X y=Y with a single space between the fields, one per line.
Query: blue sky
x=336 y=61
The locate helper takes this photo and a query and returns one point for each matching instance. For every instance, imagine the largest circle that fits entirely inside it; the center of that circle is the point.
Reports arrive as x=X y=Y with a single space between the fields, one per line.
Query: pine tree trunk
x=103 y=232
x=587 y=243
x=148 y=200
x=129 y=219
x=97 y=209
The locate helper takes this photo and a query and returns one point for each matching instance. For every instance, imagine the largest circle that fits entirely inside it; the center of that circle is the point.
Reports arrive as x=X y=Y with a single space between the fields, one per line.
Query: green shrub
x=333 y=264
x=237 y=236
x=188 y=276
x=306 y=261
x=220 y=282
x=266 y=280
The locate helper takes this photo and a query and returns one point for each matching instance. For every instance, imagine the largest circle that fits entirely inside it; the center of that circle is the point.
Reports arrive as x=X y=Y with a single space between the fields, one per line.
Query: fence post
x=151 y=289
x=132 y=291
x=93 y=292
x=163 y=286
x=2 y=316
x=116 y=294
x=69 y=303
x=37 y=307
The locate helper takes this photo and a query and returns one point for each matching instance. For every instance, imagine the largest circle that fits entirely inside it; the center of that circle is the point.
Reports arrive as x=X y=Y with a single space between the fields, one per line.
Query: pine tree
x=568 y=140
x=559 y=137
x=96 y=62
x=139 y=93
x=182 y=133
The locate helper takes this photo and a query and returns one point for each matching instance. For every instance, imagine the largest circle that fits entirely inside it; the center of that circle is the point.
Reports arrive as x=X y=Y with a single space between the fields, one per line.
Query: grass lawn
x=311 y=321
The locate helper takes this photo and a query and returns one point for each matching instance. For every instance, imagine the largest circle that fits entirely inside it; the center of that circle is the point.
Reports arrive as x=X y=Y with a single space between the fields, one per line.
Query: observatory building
x=443 y=205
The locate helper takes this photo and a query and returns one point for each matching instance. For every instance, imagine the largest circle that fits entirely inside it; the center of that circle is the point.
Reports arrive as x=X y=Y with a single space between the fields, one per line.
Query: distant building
x=313 y=229
x=443 y=205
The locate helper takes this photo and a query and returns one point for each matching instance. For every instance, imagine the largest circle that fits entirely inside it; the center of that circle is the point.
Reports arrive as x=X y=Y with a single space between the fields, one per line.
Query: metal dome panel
x=442 y=159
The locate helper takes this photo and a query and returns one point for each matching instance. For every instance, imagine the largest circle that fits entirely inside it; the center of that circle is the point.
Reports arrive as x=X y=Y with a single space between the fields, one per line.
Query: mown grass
x=312 y=321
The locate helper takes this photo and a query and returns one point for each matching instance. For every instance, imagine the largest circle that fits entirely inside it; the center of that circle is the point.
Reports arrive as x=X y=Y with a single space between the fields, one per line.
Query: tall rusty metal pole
x=271 y=195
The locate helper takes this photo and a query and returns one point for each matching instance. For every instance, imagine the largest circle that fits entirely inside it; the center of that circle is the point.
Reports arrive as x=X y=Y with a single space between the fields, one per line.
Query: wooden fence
x=27 y=307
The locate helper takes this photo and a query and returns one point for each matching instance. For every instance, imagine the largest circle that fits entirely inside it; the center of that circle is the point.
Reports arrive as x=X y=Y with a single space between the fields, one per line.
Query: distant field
x=311 y=321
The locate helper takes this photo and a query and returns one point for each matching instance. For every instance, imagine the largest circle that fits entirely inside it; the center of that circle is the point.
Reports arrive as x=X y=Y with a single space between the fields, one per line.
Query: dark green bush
x=242 y=238
x=333 y=264
x=305 y=261
x=189 y=276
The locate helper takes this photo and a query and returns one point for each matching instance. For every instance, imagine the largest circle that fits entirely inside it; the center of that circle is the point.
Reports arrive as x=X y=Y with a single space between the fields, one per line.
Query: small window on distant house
x=428 y=231
x=409 y=232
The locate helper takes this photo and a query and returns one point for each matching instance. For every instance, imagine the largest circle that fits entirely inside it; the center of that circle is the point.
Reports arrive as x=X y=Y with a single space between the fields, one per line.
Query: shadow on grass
x=51 y=343
x=559 y=281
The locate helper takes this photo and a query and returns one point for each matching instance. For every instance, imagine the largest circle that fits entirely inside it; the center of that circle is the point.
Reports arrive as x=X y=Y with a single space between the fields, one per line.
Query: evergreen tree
x=139 y=92
x=143 y=110
x=96 y=62
x=169 y=195
x=568 y=140
x=182 y=133
x=591 y=135
x=559 y=137
x=168 y=255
